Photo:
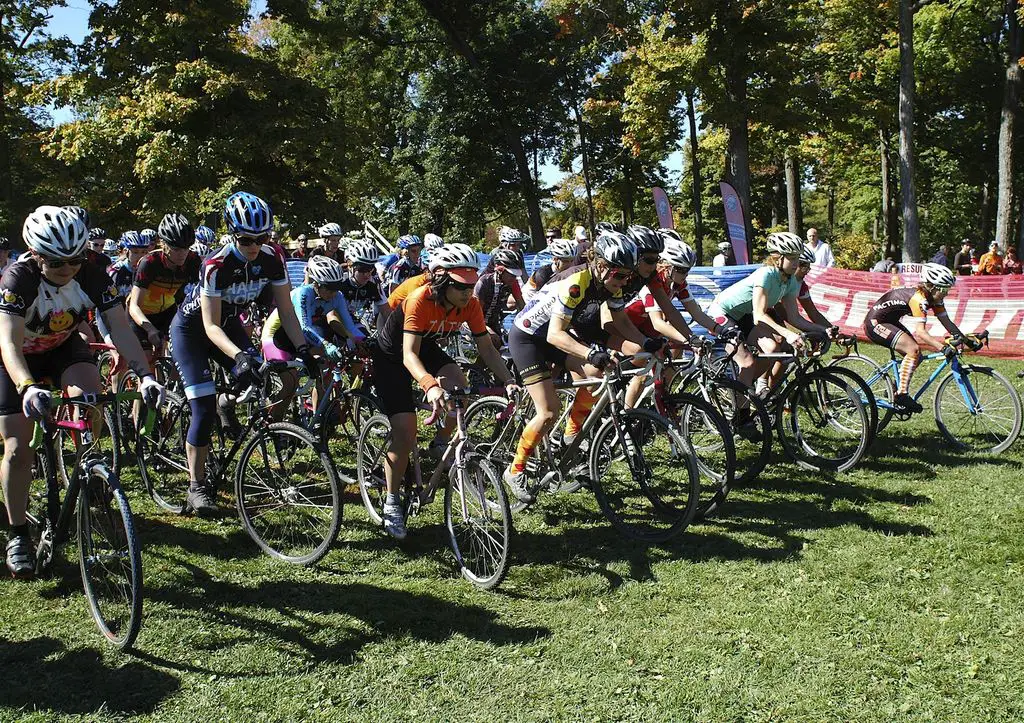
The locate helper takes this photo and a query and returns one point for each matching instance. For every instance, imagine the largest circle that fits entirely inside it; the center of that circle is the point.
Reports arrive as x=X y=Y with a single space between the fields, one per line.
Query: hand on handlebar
x=599 y=357
x=152 y=391
x=437 y=398
x=36 y=403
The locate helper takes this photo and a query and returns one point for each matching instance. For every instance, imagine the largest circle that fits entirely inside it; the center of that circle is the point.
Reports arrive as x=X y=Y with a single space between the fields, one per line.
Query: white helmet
x=807 y=256
x=200 y=249
x=669 y=235
x=362 y=252
x=55 y=232
x=617 y=249
x=937 y=275
x=785 y=243
x=330 y=229
x=511 y=236
x=454 y=256
x=678 y=253
x=432 y=241
x=563 y=248
x=325 y=271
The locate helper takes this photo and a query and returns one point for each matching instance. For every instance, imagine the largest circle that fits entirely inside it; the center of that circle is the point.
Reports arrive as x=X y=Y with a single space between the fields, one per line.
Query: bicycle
x=988 y=406
x=285 y=483
x=476 y=510
x=634 y=458
x=110 y=557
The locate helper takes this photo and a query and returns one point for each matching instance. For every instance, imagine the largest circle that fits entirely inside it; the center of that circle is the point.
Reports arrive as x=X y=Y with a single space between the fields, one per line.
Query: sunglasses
x=362 y=268
x=459 y=286
x=252 y=240
x=61 y=263
x=624 y=274
x=684 y=270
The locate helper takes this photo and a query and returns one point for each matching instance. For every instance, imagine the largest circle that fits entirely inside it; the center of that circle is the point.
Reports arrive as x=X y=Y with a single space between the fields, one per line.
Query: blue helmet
x=247 y=214
x=148 y=235
x=133 y=240
x=205 y=234
x=409 y=240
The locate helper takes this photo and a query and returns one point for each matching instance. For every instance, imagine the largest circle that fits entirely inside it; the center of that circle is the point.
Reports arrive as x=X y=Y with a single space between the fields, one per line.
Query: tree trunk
x=778 y=194
x=6 y=183
x=984 y=213
x=737 y=159
x=1007 y=123
x=911 y=224
x=793 y=194
x=831 y=210
x=888 y=207
x=585 y=161
x=698 y=213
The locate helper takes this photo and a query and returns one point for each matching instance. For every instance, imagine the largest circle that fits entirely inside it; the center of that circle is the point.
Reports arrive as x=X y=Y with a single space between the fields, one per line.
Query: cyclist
x=331 y=234
x=747 y=304
x=203 y=251
x=122 y=270
x=884 y=325
x=161 y=279
x=408 y=264
x=553 y=330
x=513 y=240
x=564 y=254
x=409 y=348
x=43 y=297
x=208 y=327
x=5 y=253
x=804 y=296
x=149 y=235
x=498 y=290
x=362 y=289
x=99 y=243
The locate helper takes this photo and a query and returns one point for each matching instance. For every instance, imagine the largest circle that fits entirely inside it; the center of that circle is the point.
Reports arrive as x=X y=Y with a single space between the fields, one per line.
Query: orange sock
x=581 y=407
x=907 y=367
x=524 y=449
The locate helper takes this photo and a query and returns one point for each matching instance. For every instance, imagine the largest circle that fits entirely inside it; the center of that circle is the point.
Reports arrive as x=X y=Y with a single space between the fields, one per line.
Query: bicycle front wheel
x=644 y=476
x=878 y=380
x=479 y=521
x=371 y=456
x=110 y=557
x=287 y=494
x=982 y=413
x=108 y=443
x=710 y=439
x=163 y=464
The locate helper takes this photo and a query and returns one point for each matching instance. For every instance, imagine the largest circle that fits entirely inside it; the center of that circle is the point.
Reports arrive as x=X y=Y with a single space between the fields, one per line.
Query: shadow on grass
x=300 y=608
x=42 y=675
x=900 y=452
x=228 y=542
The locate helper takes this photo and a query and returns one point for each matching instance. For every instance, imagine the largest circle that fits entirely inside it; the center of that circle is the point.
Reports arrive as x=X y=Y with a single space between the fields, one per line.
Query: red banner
x=735 y=222
x=976 y=303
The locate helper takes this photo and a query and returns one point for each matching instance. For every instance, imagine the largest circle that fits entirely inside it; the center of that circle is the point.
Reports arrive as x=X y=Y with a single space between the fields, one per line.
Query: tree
x=1007 y=125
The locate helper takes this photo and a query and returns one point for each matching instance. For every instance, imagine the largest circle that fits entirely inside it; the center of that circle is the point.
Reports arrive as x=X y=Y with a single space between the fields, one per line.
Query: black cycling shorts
x=193 y=351
x=534 y=355
x=48 y=367
x=393 y=382
x=885 y=334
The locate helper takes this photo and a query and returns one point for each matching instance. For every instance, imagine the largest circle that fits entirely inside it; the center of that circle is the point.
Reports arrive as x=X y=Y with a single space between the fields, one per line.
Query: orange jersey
x=422 y=315
x=405 y=288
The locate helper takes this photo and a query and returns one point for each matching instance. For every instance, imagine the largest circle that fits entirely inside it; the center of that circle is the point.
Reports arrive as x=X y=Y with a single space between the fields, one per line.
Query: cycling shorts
x=393 y=382
x=47 y=367
x=192 y=352
x=534 y=355
x=885 y=334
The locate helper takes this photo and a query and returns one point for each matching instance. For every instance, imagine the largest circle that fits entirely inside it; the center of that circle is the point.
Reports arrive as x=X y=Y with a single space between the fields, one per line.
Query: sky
x=73 y=21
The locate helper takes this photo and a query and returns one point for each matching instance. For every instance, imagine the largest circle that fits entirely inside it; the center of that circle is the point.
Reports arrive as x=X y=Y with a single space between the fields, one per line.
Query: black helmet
x=5 y=244
x=176 y=231
x=507 y=258
x=97 y=234
x=646 y=239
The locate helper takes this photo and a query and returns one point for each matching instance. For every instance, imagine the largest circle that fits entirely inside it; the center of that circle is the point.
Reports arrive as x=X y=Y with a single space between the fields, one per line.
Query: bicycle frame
x=892 y=368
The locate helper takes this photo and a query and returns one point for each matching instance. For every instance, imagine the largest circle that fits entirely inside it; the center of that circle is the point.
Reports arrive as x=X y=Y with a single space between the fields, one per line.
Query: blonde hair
x=773 y=260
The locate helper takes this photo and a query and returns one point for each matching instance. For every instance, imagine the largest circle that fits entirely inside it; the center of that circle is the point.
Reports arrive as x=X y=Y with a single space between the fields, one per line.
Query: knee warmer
x=204 y=412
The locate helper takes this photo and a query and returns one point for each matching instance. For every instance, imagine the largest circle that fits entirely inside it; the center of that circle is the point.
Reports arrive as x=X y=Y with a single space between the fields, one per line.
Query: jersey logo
x=60 y=320
x=11 y=299
x=574 y=291
x=256 y=269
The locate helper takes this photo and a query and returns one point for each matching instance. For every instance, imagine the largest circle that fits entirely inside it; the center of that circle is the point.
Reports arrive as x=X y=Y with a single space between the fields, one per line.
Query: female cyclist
x=409 y=348
x=43 y=297
x=362 y=288
x=564 y=254
x=498 y=289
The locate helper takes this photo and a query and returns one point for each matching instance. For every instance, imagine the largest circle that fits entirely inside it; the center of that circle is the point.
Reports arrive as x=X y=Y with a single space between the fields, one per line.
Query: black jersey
x=122 y=275
x=363 y=301
x=228 y=276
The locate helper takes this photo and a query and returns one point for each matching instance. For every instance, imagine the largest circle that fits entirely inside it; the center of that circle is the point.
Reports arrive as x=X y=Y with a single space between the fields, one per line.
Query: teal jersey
x=738 y=300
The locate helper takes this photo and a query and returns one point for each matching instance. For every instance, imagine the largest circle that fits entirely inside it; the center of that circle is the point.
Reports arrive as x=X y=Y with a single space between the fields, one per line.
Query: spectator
x=895 y=281
x=822 y=251
x=5 y=254
x=725 y=256
x=552 y=233
x=302 y=252
x=1011 y=264
x=884 y=266
x=962 y=260
x=991 y=263
x=941 y=256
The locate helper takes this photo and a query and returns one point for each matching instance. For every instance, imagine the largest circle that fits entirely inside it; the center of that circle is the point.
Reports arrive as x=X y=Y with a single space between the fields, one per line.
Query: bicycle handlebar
x=57 y=400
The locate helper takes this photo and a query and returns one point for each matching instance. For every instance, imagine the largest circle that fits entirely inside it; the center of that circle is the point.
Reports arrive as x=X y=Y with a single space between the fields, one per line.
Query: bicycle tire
x=639 y=507
x=161 y=456
x=482 y=548
x=709 y=437
x=129 y=381
x=867 y=396
x=371 y=449
x=814 y=402
x=947 y=402
x=878 y=380
x=110 y=558
x=287 y=494
x=342 y=420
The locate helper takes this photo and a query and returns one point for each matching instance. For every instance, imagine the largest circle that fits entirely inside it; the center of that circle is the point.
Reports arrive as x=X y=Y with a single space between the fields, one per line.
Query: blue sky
x=73 y=21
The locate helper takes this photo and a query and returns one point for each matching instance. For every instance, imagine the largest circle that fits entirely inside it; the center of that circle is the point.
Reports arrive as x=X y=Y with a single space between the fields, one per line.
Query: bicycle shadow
x=227 y=540
x=916 y=456
x=43 y=675
x=378 y=613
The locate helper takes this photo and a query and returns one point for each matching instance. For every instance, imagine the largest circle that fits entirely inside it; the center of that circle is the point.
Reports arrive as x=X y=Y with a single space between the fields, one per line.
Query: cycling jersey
x=893 y=305
x=122 y=275
x=163 y=287
x=312 y=313
x=737 y=301
x=400 y=271
x=408 y=286
x=364 y=301
x=53 y=312
x=805 y=292
x=573 y=297
x=639 y=309
x=537 y=280
x=494 y=295
x=228 y=276
x=422 y=315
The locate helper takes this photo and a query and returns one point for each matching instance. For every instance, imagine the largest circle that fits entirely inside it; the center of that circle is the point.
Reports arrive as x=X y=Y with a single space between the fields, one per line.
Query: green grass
x=894 y=592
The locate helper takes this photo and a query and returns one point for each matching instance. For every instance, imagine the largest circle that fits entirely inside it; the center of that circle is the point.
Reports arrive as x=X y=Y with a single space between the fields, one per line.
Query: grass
x=890 y=593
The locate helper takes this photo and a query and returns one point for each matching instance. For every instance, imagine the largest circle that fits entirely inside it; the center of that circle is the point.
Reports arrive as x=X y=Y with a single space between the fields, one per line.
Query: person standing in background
x=724 y=256
x=822 y=251
x=302 y=252
x=991 y=264
x=941 y=256
x=962 y=259
x=1011 y=264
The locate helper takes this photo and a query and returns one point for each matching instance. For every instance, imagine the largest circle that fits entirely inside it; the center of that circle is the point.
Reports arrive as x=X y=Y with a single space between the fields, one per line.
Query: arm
x=139 y=317
x=489 y=353
x=411 y=344
x=923 y=338
x=761 y=316
x=667 y=320
x=285 y=310
x=211 y=307
x=125 y=340
x=12 y=336
x=813 y=314
x=560 y=338
x=697 y=314
x=789 y=308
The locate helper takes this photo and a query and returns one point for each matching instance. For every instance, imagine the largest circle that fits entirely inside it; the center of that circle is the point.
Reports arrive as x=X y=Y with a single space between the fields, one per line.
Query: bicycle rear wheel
x=371 y=454
x=645 y=479
x=287 y=494
x=878 y=380
x=982 y=416
x=710 y=439
x=823 y=423
x=162 y=461
x=479 y=521
x=341 y=422
x=110 y=557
